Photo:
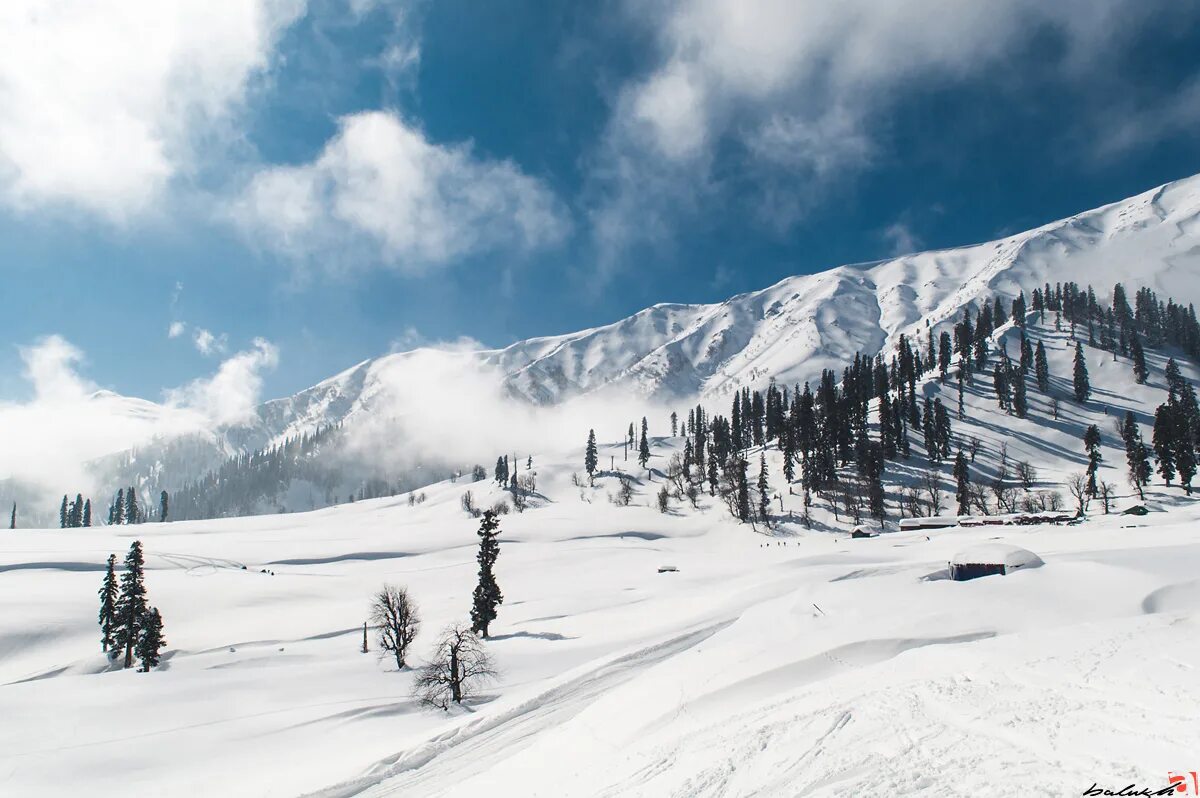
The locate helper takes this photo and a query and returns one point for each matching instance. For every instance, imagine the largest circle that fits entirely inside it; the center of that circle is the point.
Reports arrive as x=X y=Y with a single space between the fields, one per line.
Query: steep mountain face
x=801 y=325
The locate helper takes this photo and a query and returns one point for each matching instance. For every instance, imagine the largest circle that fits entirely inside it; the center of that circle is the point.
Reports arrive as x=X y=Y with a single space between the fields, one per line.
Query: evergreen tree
x=1136 y=457
x=712 y=476
x=1140 y=372
x=764 y=491
x=116 y=512
x=1083 y=388
x=150 y=640
x=108 y=603
x=131 y=603
x=487 y=593
x=644 y=445
x=163 y=506
x=674 y=424
x=12 y=521
x=1163 y=440
x=590 y=460
x=87 y=513
x=500 y=475
x=962 y=478
x=132 y=510
x=743 y=490
x=1020 y=403
x=62 y=513
x=1041 y=368
x=76 y=519
x=1091 y=444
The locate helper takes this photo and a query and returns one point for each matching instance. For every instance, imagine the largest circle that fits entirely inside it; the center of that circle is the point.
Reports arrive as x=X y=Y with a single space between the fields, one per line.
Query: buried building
x=991 y=558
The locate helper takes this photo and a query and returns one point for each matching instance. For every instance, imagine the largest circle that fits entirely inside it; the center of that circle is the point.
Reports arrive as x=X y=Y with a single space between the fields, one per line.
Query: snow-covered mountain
x=799 y=326
x=672 y=353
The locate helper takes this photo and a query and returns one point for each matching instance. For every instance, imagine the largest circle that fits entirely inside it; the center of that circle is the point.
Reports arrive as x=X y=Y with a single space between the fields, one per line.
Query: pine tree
x=12 y=521
x=1163 y=440
x=150 y=640
x=1083 y=388
x=76 y=519
x=743 y=490
x=62 y=513
x=1091 y=444
x=87 y=513
x=163 y=506
x=116 y=512
x=644 y=445
x=1019 y=401
x=674 y=424
x=764 y=491
x=132 y=510
x=712 y=476
x=487 y=593
x=589 y=455
x=962 y=478
x=108 y=603
x=1136 y=457
x=1041 y=368
x=131 y=604
x=1140 y=372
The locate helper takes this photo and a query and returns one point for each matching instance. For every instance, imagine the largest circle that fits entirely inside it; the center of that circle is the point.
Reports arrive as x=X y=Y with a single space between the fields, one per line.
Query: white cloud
x=901 y=238
x=381 y=190
x=231 y=394
x=207 y=343
x=801 y=88
x=176 y=329
x=50 y=439
x=105 y=101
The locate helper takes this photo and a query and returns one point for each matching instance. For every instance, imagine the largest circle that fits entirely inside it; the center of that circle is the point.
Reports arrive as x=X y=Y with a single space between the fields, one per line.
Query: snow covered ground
x=800 y=663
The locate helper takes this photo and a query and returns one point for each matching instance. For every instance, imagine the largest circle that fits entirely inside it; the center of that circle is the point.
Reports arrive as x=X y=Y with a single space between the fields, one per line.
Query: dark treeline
x=829 y=444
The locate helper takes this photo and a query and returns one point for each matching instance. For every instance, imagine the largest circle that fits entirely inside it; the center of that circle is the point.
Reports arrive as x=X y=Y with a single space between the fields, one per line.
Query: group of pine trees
x=125 y=509
x=129 y=626
x=827 y=441
x=71 y=514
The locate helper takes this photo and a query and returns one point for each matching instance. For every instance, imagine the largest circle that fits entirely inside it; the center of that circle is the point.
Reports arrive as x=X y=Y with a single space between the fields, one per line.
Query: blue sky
x=343 y=177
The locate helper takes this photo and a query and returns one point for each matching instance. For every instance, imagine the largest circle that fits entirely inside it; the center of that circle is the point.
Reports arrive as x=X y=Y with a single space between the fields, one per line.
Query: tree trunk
x=455 y=678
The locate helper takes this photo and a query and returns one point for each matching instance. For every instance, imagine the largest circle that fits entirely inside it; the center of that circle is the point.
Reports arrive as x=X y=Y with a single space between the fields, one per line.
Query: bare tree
x=1077 y=486
x=910 y=501
x=664 y=499
x=1026 y=474
x=1106 y=493
x=675 y=476
x=459 y=666
x=931 y=481
x=396 y=619
x=1006 y=497
x=1054 y=500
x=1054 y=407
x=973 y=446
x=692 y=493
x=977 y=496
x=468 y=504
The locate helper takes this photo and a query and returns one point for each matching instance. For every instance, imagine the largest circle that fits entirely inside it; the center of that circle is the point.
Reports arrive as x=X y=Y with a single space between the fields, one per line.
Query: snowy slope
x=826 y=666
x=801 y=325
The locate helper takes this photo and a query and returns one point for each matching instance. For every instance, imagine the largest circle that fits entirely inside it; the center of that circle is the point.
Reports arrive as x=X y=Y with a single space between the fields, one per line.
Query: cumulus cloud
x=381 y=189
x=105 y=101
x=208 y=344
x=451 y=406
x=231 y=394
x=795 y=91
x=68 y=422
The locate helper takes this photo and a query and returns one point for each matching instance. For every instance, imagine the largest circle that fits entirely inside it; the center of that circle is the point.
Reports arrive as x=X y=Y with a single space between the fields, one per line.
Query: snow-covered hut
x=986 y=559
